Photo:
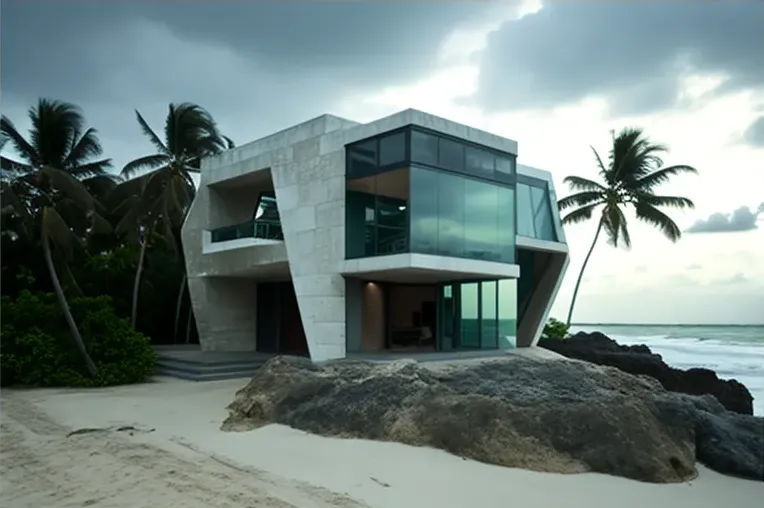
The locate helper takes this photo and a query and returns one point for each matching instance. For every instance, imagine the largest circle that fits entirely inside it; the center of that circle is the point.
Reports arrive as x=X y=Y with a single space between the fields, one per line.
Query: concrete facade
x=304 y=166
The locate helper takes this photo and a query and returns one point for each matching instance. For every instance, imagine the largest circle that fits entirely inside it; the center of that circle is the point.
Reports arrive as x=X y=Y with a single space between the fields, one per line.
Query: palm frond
x=661 y=176
x=13 y=204
x=69 y=186
x=148 y=131
x=13 y=166
x=583 y=184
x=229 y=143
x=678 y=202
x=581 y=199
x=145 y=163
x=614 y=224
x=648 y=213
x=59 y=232
x=90 y=169
x=83 y=148
x=21 y=145
x=579 y=215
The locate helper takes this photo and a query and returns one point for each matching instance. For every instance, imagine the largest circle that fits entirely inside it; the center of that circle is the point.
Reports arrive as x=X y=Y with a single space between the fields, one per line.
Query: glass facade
x=461 y=217
x=478 y=315
x=534 y=212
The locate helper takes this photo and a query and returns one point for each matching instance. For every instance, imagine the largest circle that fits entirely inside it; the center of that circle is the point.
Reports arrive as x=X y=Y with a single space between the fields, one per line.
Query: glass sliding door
x=489 y=336
x=447 y=313
x=469 y=336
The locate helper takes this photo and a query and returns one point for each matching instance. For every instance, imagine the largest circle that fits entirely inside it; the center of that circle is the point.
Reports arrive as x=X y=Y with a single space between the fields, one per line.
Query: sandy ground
x=177 y=456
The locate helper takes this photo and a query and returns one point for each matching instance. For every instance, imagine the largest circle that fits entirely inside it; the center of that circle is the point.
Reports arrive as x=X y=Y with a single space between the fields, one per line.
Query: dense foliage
x=555 y=329
x=35 y=348
x=73 y=231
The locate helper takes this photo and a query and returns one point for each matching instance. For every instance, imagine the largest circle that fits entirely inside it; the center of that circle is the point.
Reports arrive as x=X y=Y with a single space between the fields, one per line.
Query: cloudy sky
x=556 y=78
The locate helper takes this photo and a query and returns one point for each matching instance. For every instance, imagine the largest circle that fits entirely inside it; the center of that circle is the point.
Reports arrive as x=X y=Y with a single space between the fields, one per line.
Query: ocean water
x=731 y=351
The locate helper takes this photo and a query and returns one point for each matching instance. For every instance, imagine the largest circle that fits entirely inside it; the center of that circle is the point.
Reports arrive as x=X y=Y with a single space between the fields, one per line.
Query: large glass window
x=450 y=154
x=392 y=149
x=534 y=213
x=479 y=162
x=449 y=218
x=470 y=324
x=362 y=158
x=507 y=313
x=488 y=323
x=376 y=214
x=424 y=212
x=461 y=217
x=424 y=148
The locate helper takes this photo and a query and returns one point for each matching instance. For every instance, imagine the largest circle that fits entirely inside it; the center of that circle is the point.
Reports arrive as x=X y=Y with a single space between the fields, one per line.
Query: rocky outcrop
x=602 y=350
x=554 y=415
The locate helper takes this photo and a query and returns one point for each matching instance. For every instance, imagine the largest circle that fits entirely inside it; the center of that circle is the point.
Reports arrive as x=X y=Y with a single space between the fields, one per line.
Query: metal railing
x=266 y=230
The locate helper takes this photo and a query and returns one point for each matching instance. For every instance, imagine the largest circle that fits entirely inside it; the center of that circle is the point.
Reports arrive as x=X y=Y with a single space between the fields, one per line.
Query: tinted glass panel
x=542 y=215
x=525 y=225
x=489 y=326
x=424 y=211
x=479 y=162
x=392 y=216
x=505 y=165
x=505 y=236
x=451 y=154
x=450 y=215
x=481 y=220
x=362 y=157
x=507 y=312
x=392 y=149
x=470 y=325
x=266 y=208
x=424 y=148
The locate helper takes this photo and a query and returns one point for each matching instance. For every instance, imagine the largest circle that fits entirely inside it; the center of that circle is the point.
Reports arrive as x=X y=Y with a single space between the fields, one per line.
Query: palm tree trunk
x=178 y=306
x=137 y=284
x=91 y=366
x=581 y=274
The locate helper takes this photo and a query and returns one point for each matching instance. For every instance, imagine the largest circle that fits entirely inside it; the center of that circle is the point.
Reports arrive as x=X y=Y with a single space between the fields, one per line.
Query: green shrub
x=555 y=329
x=36 y=347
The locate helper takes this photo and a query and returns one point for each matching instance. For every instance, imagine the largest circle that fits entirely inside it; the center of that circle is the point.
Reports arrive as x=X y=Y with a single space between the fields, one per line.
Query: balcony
x=258 y=229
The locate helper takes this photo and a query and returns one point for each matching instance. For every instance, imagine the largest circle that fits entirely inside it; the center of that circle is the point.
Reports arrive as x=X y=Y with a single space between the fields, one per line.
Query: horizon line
x=669 y=324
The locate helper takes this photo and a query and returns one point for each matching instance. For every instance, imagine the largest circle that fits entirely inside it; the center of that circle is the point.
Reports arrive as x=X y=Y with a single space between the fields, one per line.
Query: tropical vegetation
x=73 y=231
x=629 y=179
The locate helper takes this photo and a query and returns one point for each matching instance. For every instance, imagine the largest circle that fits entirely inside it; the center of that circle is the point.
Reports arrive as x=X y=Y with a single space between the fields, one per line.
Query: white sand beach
x=187 y=461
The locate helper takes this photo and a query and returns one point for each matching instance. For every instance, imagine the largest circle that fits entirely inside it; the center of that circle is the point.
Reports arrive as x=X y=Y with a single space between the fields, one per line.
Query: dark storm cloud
x=754 y=134
x=742 y=219
x=630 y=52
x=257 y=66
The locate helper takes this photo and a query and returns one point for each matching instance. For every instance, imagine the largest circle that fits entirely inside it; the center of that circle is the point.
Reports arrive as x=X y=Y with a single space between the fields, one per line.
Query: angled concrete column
x=226 y=312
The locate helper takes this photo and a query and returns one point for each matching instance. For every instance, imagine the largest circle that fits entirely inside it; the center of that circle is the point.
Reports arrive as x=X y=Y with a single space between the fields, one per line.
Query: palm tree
x=47 y=194
x=633 y=172
x=158 y=199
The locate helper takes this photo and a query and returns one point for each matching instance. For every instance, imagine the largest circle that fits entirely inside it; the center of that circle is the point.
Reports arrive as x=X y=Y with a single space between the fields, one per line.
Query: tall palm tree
x=45 y=195
x=633 y=173
x=160 y=190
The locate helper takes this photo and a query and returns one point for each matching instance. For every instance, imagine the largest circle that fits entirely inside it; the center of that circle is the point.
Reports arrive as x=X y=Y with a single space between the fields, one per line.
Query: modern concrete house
x=407 y=234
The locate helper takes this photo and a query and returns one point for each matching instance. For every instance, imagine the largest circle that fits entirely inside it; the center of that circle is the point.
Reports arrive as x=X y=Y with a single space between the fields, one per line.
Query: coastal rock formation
x=598 y=348
x=553 y=415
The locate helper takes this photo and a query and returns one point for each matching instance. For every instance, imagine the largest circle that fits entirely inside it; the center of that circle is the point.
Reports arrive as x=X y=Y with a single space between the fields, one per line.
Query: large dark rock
x=602 y=350
x=554 y=415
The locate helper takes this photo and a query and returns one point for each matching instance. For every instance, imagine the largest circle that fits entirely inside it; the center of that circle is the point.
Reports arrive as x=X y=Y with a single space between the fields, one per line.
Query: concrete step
x=205 y=375
x=174 y=364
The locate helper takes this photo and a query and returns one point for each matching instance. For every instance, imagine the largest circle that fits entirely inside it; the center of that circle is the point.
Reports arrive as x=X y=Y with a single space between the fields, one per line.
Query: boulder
x=598 y=348
x=555 y=415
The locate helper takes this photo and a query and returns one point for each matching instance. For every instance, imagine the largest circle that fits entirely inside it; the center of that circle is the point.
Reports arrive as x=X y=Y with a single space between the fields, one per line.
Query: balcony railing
x=266 y=230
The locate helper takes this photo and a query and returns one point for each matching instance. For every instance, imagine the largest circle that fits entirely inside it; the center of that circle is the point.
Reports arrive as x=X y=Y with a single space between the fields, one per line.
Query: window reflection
x=362 y=158
x=534 y=213
x=479 y=162
x=461 y=217
x=470 y=325
x=450 y=154
x=507 y=312
x=392 y=149
x=424 y=148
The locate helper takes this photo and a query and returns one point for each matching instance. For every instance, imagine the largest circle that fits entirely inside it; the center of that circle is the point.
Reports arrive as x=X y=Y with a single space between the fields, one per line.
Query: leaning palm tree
x=633 y=172
x=160 y=190
x=46 y=196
